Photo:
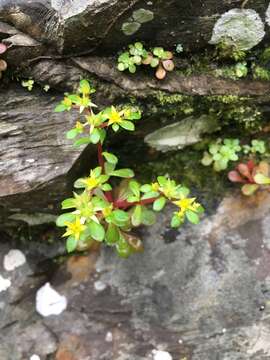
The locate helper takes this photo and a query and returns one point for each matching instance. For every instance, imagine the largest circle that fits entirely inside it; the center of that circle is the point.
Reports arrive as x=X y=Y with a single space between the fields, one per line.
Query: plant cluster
x=221 y=152
x=254 y=177
x=137 y=55
x=102 y=209
x=226 y=51
x=3 y=64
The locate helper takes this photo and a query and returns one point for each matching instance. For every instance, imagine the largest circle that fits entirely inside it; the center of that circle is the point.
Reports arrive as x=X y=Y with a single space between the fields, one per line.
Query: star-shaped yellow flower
x=114 y=117
x=186 y=204
x=74 y=228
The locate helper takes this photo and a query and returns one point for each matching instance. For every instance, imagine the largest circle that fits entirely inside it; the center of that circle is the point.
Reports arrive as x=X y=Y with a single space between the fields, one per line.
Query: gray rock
x=242 y=28
x=183 y=133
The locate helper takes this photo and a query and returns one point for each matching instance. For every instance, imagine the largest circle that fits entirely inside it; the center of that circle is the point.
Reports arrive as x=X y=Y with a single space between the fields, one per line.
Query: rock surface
x=199 y=293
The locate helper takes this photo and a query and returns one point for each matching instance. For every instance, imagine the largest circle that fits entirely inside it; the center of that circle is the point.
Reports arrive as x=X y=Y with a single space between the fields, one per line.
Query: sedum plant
x=103 y=209
x=137 y=55
x=220 y=153
x=252 y=176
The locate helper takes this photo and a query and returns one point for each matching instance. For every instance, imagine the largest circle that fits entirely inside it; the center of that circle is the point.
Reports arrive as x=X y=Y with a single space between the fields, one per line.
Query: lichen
x=143 y=15
x=129 y=28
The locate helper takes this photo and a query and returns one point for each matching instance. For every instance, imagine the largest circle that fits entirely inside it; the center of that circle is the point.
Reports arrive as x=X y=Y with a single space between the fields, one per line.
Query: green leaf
x=159 y=204
x=120 y=216
x=60 y=221
x=123 y=249
x=79 y=184
x=97 y=171
x=162 y=180
x=96 y=231
x=121 y=67
x=75 y=99
x=112 y=159
x=148 y=217
x=82 y=141
x=115 y=127
x=136 y=217
x=112 y=234
x=176 y=221
x=154 y=62
x=84 y=87
x=151 y=194
x=71 y=134
x=132 y=68
x=127 y=125
x=135 y=188
x=60 y=108
x=262 y=179
x=109 y=168
x=95 y=136
x=71 y=244
x=249 y=189
x=68 y=203
x=106 y=187
x=123 y=173
x=192 y=217
x=146 y=188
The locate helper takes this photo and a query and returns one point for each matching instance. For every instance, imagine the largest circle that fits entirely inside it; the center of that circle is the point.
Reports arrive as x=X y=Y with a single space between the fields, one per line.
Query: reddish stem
x=100 y=156
x=124 y=204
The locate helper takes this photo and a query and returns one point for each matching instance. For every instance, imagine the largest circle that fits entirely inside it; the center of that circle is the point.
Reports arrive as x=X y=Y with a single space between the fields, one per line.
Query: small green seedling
x=137 y=55
x=102 y=209
x=28 y=84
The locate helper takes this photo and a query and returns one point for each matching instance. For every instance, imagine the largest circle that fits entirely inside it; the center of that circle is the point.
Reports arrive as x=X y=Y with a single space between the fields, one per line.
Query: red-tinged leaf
x=249 y=189
x=160 y=73
x=3 y=48
x=244 y=170
x=234 y=176
x=168 y=65
x=250 y=165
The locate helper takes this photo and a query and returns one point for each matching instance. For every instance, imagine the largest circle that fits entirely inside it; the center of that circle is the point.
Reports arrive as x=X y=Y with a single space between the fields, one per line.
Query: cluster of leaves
x=99 y=212
x=236 y=71
x=221 y=152
x=137 y=55
x=3 y=64
x=225 y=51
x=254 y=177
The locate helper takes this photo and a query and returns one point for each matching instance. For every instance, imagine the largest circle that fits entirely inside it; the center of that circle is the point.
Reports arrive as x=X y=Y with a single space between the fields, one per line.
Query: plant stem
x=101 y=162
x=100 y=156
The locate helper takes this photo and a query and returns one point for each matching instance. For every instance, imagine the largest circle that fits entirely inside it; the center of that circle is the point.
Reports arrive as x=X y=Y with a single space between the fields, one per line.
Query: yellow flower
x=67 y=102
x=155 y=186
x=114 y=117
x=74 y=228
x=79 y=126
x=186 y=204
x=90 y=182
x=107 y=211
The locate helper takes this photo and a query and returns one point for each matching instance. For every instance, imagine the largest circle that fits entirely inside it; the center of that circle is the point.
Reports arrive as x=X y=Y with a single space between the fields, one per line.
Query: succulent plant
x=252 y=176
x=137 y=55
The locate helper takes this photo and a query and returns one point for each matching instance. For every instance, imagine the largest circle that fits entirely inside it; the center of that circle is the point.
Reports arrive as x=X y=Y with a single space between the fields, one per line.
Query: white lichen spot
x=242 y=28
x=49 y=302
x=129 y=28
x=109 y=337
x=161 y=355
x=34 y=357
x=100 y=285
x=4 y=284
x=13 y=259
